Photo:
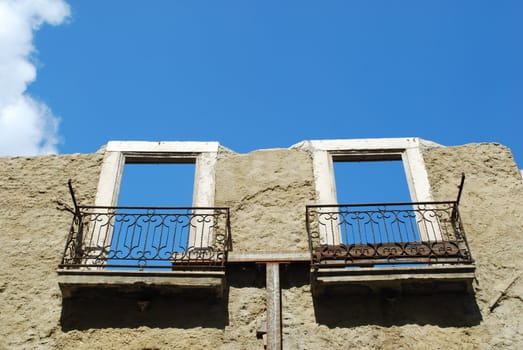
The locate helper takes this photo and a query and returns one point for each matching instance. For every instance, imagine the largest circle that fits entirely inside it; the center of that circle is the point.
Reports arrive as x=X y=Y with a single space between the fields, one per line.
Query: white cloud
x=27 y=126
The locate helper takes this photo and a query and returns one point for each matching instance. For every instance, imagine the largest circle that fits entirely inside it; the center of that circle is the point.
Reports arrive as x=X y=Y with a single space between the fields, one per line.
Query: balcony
x=131 y=249
x=401 y=247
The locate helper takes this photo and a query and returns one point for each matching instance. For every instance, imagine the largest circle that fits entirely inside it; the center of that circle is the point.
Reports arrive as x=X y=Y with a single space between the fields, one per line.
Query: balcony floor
x=394 y=280
x=88 y=282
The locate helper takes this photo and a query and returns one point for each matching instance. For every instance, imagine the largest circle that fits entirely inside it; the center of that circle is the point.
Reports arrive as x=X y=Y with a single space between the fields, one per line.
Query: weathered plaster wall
x=168 y=322
x=33 y=235
x=267 y=192
x=492 y=211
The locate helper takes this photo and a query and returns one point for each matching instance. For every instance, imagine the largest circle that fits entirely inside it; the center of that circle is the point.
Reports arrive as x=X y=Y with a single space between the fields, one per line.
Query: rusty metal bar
x=77 y=250
x=381 y=204
x=460 y=188
x=73 y=197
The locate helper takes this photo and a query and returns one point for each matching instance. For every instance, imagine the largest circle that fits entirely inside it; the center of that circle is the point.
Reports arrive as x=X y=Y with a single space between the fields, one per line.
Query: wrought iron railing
x=383 y=233
x=147 y=238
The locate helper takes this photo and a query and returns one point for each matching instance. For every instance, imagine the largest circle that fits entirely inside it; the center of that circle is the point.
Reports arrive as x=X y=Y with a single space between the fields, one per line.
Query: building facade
x=268 y=258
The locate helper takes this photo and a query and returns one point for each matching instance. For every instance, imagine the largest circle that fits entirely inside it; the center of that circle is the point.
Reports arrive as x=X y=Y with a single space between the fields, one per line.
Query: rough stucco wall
x=379 y=322
x=492 y=211
x=33 y=236
x=169 y=322
x=491 y=208
x=267 y=192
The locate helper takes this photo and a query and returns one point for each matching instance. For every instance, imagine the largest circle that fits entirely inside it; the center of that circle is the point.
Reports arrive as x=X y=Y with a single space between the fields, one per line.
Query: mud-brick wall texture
x=267 y=192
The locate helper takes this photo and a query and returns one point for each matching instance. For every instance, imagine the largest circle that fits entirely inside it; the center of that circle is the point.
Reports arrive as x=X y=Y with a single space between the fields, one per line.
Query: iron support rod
x=460 y=188
x=73 y=197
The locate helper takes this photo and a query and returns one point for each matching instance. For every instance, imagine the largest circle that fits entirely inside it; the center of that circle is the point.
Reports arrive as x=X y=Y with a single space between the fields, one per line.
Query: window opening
x=156 y=185
x=387 y=216
x=371 y=181
x=147 y=237
x=396 y=228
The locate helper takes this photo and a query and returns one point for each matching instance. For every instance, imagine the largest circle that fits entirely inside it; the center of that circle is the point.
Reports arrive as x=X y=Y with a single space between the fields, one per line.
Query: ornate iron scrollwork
x=396 y=233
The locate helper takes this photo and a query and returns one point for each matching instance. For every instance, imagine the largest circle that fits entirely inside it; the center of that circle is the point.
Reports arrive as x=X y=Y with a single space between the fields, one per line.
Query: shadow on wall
x=153 y=310
x=254 y=275
x=117 y=309
x=246 y=275
x=444 y=310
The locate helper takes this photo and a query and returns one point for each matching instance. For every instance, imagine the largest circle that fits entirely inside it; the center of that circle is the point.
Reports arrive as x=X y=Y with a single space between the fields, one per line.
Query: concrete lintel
x=265 y=257
x=360 y=144
x=162 y=146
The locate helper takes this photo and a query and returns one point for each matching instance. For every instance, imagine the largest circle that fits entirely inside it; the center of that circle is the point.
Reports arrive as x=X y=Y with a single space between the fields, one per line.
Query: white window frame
x=325 y=152
x=118 y=153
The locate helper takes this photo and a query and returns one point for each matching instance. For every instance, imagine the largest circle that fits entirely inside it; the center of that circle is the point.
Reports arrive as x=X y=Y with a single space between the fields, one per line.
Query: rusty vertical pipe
x=274 y=335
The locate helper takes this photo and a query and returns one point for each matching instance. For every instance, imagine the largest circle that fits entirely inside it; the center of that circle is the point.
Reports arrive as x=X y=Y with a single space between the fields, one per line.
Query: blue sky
x=265 y=74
